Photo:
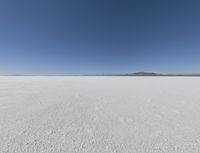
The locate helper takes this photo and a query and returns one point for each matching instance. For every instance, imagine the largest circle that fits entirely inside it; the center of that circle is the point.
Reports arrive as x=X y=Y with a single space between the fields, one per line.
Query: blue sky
x=52 y=37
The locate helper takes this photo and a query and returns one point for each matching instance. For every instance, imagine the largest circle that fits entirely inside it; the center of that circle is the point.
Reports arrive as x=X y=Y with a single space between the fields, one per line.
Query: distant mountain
x=145 y=74
x=158 y=74
x=16 y=75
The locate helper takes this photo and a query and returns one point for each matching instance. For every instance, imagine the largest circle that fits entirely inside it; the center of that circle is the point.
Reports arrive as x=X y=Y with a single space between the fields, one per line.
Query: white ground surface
x=99 y=115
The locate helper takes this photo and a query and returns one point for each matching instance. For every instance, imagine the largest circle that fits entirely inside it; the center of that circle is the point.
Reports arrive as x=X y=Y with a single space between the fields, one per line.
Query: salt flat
x=99 y=114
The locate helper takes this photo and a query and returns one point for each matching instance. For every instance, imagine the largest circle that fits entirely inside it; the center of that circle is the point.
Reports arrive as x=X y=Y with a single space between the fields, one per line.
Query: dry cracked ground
x=99 y=114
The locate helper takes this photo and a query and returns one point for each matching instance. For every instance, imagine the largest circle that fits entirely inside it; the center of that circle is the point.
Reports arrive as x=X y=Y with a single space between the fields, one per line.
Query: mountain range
x=127 y=74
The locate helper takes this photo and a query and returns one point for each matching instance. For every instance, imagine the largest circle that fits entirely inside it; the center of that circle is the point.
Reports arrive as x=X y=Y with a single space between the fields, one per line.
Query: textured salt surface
x=99 y=115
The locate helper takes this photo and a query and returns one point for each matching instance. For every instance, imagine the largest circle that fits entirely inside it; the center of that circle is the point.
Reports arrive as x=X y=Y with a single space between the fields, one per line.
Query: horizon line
x=141 y=73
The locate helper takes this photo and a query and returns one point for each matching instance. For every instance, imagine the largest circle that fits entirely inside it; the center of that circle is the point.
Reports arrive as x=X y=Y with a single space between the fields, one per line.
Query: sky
x=60 y=37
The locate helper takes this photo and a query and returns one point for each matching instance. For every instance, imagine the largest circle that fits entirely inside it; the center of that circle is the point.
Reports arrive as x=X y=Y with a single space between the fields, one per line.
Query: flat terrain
x=99 y=114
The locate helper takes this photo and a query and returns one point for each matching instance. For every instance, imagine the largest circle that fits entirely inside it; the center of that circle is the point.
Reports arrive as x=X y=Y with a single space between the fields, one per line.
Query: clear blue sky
x=99 y=36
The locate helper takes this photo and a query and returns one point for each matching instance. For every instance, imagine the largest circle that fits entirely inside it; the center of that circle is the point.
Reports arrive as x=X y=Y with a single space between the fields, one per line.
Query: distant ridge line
x=143 y=74
x=159 y=74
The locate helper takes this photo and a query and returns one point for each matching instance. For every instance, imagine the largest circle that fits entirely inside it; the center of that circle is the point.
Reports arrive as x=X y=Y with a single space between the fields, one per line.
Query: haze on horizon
x=52 y=37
